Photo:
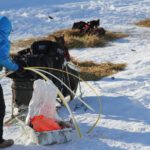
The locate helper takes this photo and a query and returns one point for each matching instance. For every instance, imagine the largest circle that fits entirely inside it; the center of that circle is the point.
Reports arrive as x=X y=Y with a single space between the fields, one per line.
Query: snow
x=35 y=21
x=125 y=122
x=17 y=4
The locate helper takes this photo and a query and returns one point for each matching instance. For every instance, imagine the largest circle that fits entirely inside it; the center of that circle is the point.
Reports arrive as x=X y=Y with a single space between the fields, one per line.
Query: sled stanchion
x=12 y=109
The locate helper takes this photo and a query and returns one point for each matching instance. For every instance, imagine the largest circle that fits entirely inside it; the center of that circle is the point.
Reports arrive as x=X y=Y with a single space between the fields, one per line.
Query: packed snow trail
x=125 y=123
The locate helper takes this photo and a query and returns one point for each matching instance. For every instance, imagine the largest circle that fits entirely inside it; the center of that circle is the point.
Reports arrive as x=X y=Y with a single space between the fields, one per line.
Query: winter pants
x=2 y=113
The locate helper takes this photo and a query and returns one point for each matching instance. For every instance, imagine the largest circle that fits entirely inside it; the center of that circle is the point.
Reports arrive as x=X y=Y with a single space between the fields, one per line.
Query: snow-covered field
x=125 y=123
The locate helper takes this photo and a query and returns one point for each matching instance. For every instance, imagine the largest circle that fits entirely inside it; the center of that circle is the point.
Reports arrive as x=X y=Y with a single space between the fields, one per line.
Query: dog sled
x=58 y=69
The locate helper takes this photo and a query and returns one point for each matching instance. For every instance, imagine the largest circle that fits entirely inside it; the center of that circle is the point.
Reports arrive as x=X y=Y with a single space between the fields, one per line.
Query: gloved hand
x=21 y=65
x=18 y=73
x=20 y=69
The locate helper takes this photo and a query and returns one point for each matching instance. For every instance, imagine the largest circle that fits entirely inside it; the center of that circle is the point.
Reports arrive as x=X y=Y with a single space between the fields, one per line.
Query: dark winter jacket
x=5 y=29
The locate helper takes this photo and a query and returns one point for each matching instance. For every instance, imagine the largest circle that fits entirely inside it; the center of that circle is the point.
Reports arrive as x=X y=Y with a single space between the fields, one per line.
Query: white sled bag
x=43 y=101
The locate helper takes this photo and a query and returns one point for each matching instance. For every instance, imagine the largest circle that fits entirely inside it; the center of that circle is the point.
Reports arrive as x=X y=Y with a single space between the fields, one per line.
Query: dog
x=79 y=25
x=94 y=23
x=61 y=41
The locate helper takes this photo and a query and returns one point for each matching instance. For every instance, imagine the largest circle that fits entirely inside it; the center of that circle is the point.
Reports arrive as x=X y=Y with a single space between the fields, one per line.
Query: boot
x=6 y=143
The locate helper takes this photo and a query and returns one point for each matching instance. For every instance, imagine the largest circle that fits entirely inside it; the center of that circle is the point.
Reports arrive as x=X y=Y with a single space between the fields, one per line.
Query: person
x=5 y=61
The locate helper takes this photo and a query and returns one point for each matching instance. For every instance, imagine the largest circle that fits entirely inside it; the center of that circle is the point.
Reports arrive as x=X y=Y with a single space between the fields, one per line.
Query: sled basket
x=41 y=138
x=54 y=137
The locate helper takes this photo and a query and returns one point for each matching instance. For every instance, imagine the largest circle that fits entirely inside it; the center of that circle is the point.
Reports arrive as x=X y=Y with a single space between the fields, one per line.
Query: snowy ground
x=125 y=123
